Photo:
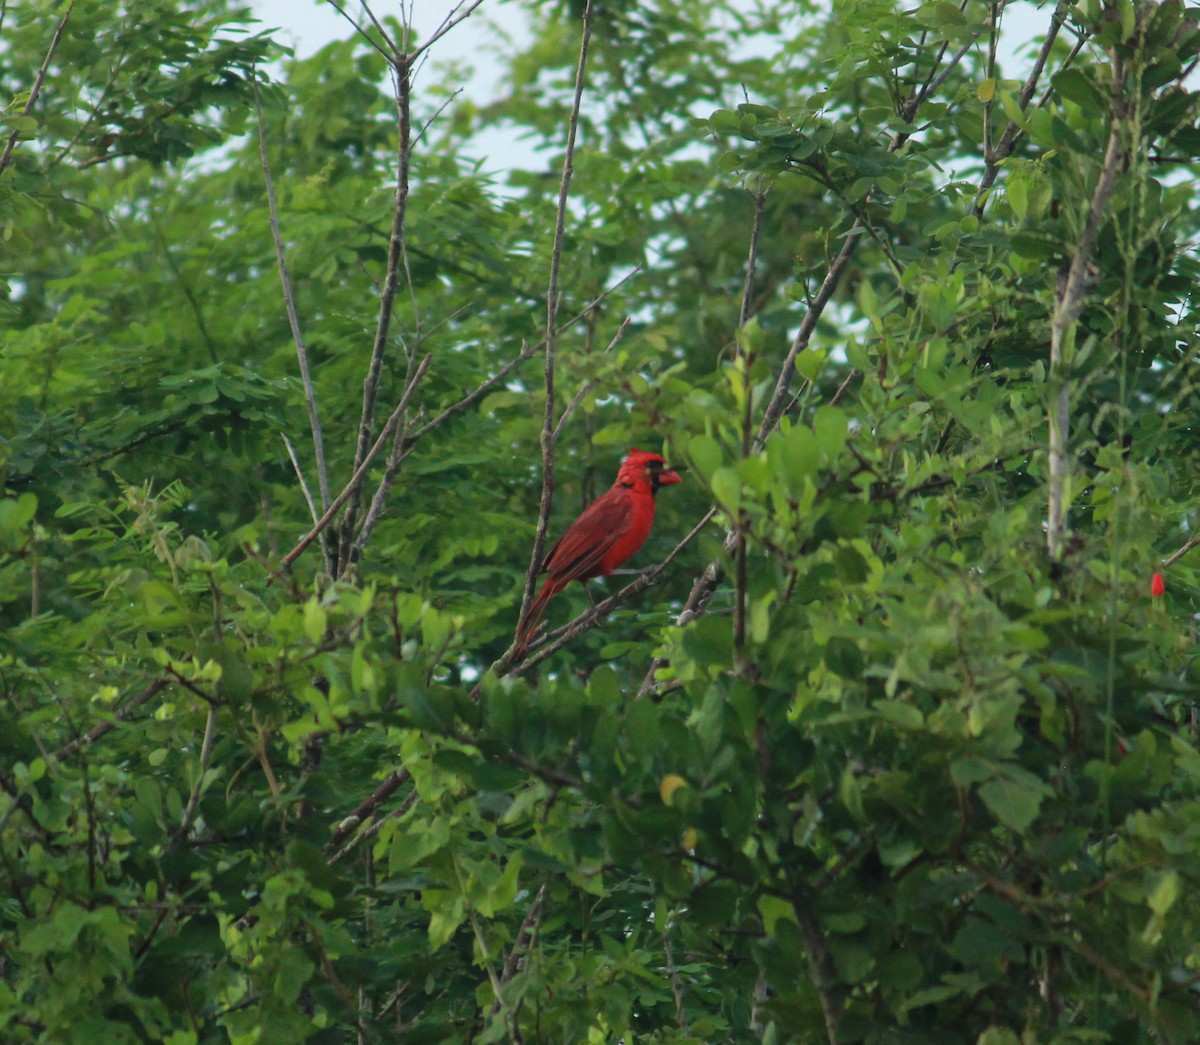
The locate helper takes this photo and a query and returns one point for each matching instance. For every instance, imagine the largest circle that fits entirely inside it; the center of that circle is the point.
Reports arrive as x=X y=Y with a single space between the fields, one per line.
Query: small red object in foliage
x=1157 y=587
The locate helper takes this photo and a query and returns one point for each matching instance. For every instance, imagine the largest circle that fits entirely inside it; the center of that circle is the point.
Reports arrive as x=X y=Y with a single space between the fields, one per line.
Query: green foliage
x=897 y=776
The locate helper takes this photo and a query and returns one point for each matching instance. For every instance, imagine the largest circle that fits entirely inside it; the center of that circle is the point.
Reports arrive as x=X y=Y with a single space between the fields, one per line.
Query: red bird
x=608 y=533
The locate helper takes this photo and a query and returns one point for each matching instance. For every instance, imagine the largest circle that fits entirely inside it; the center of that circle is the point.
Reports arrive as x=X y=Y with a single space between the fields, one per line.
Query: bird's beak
x=668 y=476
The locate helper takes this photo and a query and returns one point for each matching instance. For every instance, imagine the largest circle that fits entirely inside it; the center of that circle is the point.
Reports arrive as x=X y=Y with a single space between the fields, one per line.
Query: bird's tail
x=531 y=620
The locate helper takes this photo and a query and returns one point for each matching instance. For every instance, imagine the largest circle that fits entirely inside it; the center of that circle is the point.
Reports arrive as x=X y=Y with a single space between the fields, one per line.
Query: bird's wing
x=578 y=552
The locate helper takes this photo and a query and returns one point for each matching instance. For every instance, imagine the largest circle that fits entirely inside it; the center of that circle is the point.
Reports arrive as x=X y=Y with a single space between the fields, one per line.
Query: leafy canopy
x=896 y=747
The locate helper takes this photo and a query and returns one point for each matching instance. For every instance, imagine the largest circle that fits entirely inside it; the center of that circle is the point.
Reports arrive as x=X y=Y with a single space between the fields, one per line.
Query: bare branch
x=745 y=359
x=760 y=202
x=1179 y=553
x=527 y=352
x=549 y=432
x=363 y=33
x=356 y=479
x=289 y=301
x=371 y=830
x=944 y=71
x=367 y=806
x=841 y=391
x=312 y=507
x=38 y=80
x=433 y=118
x=675 y=980
x=392 y=469
x=406 y=17
x=402 y=73
x=1012 y=132
x=808 y=325
x=460 y=12
x=524 y=940
x=587 y=385
x=186 y=290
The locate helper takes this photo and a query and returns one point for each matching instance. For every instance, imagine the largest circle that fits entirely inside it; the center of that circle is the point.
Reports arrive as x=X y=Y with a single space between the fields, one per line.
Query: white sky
x=307 y=25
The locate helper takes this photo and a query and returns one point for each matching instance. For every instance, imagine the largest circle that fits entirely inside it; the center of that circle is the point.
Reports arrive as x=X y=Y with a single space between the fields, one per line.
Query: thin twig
x=390 y=471
x=549 y=432
x=452 y=19
x=356 y=479
x=836 y=397
x=433 y=119
x=405 y=27
x=676 y=982
x=186 y=291
x=1012 y=133
x=744 y=313
x=312 y=507
x=372 y=829
x=363 y=33
x=587 y=385
x=124 y=714
x=38 y=80
x=527 y=352
x=833 y=277
x=1179 y=553
x=289 y=301
x=945 y=72
x=366 y=807
x=523 y=942
x=745 y=359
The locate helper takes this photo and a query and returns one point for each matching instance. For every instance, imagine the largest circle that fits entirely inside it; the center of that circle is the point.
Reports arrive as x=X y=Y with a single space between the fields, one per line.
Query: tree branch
x=527 y=352
x=1071 y=293
x=38 y=80
x=289 y=301
x=820 y=964
x=549 y=432
x=402 y=72
x=124 y=714
x=356 y=479
x=1012 y=133
x=522 y=943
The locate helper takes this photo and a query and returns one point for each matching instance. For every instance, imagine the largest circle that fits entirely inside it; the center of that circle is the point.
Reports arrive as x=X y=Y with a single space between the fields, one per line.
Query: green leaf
x=704 y=453
x=1014 y=797
x=844 y=658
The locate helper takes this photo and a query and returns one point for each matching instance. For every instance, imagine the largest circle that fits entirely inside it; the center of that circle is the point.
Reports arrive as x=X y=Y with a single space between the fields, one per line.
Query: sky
x=307 y=25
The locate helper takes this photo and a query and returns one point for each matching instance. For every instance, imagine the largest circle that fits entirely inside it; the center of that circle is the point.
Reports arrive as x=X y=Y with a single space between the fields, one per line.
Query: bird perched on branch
x=607 y=535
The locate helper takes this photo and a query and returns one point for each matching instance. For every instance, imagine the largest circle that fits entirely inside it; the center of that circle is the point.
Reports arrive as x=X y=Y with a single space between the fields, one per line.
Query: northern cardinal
x=608 y=533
